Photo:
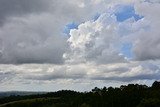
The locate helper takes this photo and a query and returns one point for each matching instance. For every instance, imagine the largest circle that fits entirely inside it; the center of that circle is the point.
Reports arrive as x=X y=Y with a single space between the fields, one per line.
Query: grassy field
x=37 y=102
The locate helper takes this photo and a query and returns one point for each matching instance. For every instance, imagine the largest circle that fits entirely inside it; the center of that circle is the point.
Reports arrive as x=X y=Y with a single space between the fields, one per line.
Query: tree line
x=131 y=95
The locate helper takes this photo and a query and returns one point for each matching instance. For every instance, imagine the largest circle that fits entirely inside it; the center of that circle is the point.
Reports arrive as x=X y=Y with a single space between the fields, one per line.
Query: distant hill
x=20 y=93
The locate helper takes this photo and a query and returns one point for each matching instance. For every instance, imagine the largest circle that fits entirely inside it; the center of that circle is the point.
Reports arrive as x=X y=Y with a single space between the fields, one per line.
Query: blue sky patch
x=70 y=26
x=126 y=50
x=125 y=12
x=96 y=16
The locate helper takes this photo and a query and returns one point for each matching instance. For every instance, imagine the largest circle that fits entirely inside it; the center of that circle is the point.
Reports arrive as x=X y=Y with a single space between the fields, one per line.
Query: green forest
x=131 y=95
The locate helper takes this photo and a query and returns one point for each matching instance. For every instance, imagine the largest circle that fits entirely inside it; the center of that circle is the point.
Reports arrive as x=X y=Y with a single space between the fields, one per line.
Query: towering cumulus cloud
x=96 y=41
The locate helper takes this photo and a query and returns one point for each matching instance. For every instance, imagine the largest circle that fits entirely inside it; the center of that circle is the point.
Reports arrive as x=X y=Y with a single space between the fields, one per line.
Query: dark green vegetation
x=132 y=95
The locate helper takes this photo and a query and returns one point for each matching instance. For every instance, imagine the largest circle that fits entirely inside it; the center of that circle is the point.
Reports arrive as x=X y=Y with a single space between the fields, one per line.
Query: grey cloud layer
x=124 y=72
x=29 y=34
x=6 y=76
x=147 y=43
x=31 y=40
x=10 y=8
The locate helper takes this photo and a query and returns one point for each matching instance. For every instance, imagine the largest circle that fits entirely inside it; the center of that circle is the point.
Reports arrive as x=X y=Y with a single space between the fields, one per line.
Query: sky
x=50 y=45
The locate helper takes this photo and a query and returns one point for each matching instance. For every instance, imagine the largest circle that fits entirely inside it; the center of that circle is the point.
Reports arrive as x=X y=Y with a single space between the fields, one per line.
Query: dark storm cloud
x=10 y=8
x=33 y=40
x=30 y=33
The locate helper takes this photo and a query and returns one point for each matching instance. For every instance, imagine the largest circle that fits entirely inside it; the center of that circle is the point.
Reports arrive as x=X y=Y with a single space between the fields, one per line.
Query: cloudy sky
x=49 y=45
